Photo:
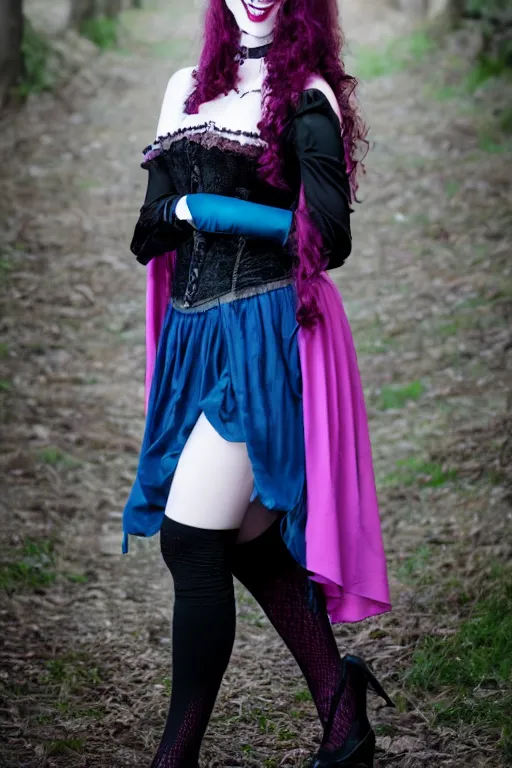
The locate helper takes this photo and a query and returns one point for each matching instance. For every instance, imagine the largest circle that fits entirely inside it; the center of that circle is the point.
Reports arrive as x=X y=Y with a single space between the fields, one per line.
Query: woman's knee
x=199 y=560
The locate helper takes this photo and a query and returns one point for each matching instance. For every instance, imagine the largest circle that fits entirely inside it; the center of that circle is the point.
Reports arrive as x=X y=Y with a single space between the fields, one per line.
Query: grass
x=448 y=330
x=284 y=734
x=63 y=746
x=457 y=82
x=371 y=338
x=88 y=183
x=264 y=724
x=77 y=578
x=303 y=695
x=478 y=312
x=5 y=268
x=486 y=68
x=452 y=188
x=443 y=92
x=415 y=471
x=395 y=57
x=102 y=31
x=64 y=709
x=94 y=714
x=505 y=121
x=412 y=567
x=34 y=568
x=493 y=144
x=36 y=53
x=471 y=669
x=56 y=457
x=72 y=670
x=399 y=397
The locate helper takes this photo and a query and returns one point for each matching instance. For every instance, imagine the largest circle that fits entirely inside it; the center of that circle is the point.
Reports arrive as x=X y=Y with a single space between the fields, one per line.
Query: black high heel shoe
x=358 y=749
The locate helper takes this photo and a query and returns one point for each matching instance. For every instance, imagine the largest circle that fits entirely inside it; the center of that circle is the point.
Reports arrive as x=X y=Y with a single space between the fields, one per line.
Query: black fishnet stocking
x=173 y=748
x=266 y=568
x=343 y=715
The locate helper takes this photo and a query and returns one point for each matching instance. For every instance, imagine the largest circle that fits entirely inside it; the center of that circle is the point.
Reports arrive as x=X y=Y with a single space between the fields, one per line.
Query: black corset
x=212 y=267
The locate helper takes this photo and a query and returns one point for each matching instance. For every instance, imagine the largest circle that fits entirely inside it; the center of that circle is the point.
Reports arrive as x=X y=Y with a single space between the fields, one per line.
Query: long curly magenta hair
x=307 y=41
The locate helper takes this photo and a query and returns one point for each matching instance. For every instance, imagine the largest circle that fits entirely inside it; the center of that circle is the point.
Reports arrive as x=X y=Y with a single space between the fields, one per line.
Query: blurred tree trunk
x=11 y=59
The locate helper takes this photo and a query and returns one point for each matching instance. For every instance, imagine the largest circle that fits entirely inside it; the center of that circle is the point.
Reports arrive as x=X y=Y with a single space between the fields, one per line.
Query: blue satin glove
x=231 y=216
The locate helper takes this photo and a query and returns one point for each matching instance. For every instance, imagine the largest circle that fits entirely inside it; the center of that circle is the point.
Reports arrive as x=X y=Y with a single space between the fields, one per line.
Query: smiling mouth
x=258 y=14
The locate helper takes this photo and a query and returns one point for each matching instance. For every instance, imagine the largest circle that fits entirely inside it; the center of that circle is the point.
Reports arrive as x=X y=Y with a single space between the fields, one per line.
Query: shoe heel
x=370 y=677
x=379 y=690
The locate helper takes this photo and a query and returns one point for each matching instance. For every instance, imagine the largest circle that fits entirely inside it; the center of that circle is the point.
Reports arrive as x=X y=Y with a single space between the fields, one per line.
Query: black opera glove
x=158 y=230
x=318 y=145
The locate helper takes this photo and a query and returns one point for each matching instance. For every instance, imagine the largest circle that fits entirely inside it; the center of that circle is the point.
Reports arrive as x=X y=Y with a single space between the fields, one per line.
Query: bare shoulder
x=178 y=90
x=318 y=83
x=181 y=80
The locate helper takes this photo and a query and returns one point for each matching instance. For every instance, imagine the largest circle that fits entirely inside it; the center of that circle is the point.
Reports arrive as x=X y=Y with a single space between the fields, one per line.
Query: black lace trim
x=210 y=126
x=208 y=141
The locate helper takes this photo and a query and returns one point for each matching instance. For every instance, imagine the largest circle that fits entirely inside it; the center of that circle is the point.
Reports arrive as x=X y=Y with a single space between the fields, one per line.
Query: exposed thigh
x=213 y=482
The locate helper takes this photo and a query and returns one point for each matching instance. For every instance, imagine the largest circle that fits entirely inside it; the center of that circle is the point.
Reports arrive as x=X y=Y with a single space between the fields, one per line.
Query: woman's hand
x=230 y=216
x=182 y=211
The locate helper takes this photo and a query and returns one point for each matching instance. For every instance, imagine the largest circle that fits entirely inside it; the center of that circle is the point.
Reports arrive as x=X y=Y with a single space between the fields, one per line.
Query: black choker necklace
x=252 y=53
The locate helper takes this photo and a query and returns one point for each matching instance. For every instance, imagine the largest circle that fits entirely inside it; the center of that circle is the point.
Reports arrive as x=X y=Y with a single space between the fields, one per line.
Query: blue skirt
x=238 y=363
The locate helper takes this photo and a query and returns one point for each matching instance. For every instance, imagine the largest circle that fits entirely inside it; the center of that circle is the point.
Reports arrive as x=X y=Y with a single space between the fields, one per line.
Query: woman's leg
x=207 y=503
x=280 y=586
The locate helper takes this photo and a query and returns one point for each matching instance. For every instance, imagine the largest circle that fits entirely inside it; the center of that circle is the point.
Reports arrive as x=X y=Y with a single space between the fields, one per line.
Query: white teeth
x=259 y=11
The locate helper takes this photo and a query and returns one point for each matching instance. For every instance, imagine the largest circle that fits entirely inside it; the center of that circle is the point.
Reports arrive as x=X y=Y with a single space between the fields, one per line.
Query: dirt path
x=85 y=654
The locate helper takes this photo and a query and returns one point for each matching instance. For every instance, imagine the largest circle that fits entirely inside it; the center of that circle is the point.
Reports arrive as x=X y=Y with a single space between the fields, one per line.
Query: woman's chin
x=259 y=29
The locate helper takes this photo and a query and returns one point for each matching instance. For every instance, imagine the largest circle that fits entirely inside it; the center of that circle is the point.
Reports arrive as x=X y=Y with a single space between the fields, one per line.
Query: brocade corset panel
x=213 y=267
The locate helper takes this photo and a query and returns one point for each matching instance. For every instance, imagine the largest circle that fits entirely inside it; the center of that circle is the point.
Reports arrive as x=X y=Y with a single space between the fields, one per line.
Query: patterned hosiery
x=280 y=585
x=203 y=634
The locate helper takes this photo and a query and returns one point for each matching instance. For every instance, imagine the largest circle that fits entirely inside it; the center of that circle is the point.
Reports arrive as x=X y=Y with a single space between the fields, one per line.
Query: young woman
x=256 y=458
